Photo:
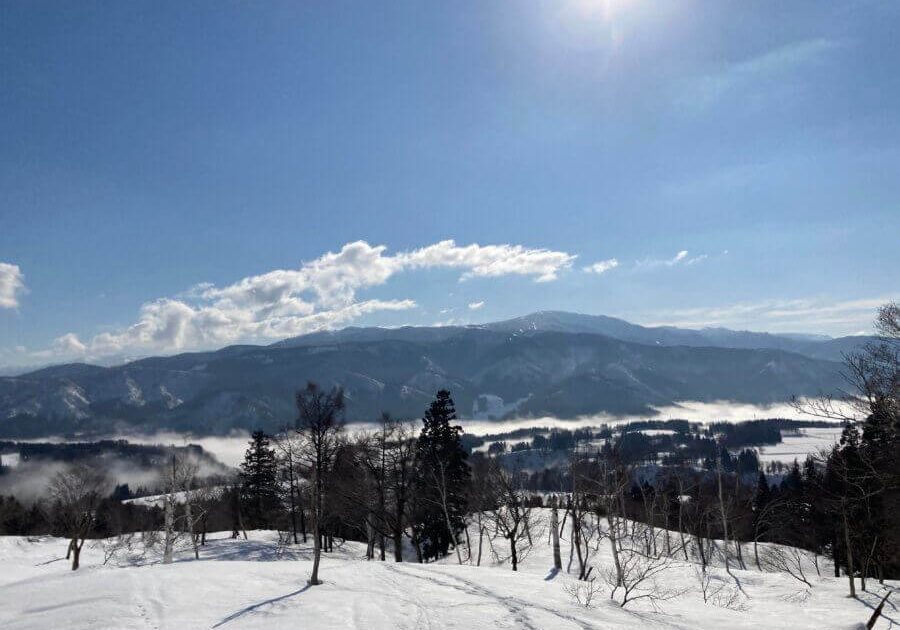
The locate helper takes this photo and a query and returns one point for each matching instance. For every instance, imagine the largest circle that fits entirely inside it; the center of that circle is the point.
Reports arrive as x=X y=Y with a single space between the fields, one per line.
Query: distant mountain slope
x=514 y=373
x=818 y=347
x=815 y=346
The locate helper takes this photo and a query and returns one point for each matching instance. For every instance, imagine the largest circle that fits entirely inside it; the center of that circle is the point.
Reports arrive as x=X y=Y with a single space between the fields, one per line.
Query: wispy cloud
x=772 y=65
x=602 y=267
x=683 y=257
x=474 y=306
x=799 y=315
x=678 y=258
x=12 y=285
x=320 y=294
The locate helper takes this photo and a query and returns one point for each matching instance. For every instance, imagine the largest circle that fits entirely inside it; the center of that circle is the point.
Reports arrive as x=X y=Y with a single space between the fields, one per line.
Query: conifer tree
x=443 y=478
x=259 y=481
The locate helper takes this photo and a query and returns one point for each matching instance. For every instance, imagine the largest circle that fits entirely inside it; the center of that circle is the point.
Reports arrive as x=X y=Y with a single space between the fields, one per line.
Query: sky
x=181 y=176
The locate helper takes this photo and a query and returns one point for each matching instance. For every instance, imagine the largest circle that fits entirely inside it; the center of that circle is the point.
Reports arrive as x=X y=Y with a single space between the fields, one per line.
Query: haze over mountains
x=548 y=363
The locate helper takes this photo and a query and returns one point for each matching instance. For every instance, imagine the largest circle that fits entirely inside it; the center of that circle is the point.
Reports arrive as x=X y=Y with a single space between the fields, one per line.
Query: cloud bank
x=778 y=315
x=320 y=294
x=12 y=285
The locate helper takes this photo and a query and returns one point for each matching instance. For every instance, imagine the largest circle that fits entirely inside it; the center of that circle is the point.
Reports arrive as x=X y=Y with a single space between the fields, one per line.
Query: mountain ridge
x=496 y=370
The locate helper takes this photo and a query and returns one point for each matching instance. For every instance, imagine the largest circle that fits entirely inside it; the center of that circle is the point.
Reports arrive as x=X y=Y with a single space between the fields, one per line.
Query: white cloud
x=12 y=285
x=490 y=260
x=320 y=294
x=69 y=344
x=678 y=257
x=474 y=306
x=602 y=267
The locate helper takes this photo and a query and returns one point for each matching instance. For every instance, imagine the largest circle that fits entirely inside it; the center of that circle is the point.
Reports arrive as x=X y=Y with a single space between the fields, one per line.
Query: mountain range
x=544 y=364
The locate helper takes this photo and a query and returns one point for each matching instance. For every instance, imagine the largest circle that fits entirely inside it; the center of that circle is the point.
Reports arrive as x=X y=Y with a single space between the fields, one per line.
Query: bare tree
x=320 y=424
x=76 y=493
x=609 y=479
x=179 y=478
x=583 y=593
x=511 y=517
x=399 y=481
x=789 y=560
x=554 y=533
x=578 y=510
x=288 y=448
x=482 y=498
x=639 y=579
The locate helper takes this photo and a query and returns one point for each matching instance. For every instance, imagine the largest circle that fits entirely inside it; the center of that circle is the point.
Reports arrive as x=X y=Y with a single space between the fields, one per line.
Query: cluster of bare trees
x=79 y=508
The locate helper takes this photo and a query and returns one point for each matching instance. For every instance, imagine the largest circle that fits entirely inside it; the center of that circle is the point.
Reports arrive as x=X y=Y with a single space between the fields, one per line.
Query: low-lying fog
x=230 y=449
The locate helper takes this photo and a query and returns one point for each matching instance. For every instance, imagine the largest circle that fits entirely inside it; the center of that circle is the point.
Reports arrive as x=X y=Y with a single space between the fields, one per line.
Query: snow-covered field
x=258 y=584
x=806 y=442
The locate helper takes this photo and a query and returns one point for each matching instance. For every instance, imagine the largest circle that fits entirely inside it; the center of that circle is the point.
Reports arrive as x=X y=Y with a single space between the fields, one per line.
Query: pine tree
x=259 y=482
x=443 y=478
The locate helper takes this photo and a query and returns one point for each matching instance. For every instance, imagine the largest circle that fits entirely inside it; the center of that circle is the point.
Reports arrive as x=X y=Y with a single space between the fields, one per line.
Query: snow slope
x=259 y=584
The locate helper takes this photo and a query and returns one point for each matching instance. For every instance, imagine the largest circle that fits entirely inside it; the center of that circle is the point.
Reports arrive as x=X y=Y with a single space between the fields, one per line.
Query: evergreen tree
x=443 y=478
x=259 y=482
x=763 y=493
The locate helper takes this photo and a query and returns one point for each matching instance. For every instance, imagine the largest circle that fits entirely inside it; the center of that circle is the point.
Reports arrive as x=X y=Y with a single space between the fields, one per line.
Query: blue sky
x=173 y=176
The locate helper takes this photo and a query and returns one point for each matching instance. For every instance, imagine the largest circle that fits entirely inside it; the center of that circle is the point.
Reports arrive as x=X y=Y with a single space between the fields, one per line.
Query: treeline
x=140 y=454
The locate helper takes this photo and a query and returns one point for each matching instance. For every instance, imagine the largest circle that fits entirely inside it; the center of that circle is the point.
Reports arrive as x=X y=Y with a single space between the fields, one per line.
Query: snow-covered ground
x=797 y=446
x=158 y=500
x=259 y=584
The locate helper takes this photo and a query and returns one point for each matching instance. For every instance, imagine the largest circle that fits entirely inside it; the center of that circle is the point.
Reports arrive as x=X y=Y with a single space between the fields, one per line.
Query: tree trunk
x=836 y=553
x=576 y=542
x=169 y=542
x=418 y=545
x=514 y=557
x=702 y=553
x=681 y=519
x=317 y=542
x=452 y=533
x=740 y=554
x=189 y=521
x=468 y=546
x=614 y=545
x=554 y=532
x=293 y=503
x=849 y=552
x=480 y=538
x=398 y=544
x=76 y=553
x=722 y=508
x=370 y=539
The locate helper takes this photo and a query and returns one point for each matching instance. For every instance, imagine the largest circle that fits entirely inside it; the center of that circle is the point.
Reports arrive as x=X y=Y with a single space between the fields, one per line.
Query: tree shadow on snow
x=257 y=606
x=888 y=607
x=43 y=564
